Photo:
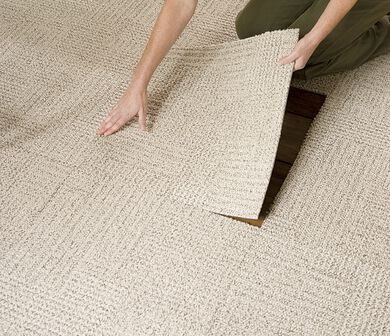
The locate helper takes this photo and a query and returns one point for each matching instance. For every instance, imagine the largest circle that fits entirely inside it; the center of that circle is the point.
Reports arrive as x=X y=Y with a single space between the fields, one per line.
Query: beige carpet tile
x=288 y=288
x=343 y=171
x=215 y=113
x=320 y=263
x=214 y=155
x=117 y=263
x=100 y=236
x=323 y=85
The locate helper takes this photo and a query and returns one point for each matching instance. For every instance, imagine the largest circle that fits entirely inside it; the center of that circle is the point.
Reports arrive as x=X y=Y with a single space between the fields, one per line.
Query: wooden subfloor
x=302 y=107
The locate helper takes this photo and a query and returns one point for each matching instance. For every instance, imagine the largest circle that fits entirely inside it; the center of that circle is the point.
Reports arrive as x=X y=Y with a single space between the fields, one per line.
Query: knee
x=257 y=17
x=241 y=25
x=250 y=19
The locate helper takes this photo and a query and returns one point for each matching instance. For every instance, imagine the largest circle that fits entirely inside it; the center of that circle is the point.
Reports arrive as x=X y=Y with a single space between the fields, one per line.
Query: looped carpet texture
x=121 y=236
x=215 y=115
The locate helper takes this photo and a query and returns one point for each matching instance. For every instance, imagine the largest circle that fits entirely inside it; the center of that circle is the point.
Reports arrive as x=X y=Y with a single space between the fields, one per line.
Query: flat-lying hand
x=131 y=103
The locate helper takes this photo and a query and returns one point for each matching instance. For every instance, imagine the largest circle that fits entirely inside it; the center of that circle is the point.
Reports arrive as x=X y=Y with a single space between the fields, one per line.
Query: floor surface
x=302 y=107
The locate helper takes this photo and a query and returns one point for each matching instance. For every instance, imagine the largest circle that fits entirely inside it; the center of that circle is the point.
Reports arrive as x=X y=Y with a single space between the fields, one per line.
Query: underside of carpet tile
x=214 y=118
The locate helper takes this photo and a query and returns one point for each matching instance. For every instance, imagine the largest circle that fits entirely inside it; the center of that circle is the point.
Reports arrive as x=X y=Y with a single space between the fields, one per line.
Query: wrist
x=139 y=80
x=314 y=38
x=137 y=86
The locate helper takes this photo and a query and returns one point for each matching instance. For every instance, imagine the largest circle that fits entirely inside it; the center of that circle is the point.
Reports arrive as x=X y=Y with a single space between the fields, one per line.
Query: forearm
x=173 y=18
x=332 y=15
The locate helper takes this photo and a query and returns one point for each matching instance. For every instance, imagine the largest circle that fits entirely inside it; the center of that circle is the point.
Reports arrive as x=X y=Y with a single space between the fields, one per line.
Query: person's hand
x=301 y=52
x=132 y=103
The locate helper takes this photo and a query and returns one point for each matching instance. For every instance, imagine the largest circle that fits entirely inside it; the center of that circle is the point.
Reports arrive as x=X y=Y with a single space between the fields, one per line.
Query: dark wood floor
x=302 y=107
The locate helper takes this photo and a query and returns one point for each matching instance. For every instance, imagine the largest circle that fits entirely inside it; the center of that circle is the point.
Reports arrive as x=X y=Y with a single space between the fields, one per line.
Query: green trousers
x=361 y=35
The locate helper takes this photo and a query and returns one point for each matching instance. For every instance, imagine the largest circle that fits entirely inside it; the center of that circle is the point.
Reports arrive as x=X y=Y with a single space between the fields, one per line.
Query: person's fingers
x=113 y=111
x=142 y=119
x=112 y=120
x=299 y=64
x=109 y=117
x=103 y=125
x=288 y=59
x=118 y=124
x=117 y=117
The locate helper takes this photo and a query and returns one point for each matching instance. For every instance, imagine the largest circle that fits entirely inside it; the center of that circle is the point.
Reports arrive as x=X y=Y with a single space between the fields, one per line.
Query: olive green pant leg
x=372 y=43
x=360 y=36
x=259 y=16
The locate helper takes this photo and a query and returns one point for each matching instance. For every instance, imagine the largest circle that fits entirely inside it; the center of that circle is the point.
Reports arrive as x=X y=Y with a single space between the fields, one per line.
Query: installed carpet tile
x=106 y=258
x=343 y=168
x=102 y=256
x=215 y=112
x=285 y=287
x=96 y=241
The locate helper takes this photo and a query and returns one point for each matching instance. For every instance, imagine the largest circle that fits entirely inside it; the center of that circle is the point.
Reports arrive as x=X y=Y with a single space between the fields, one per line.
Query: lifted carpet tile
x=215 y=112
x=214 y=119
x=215 y=116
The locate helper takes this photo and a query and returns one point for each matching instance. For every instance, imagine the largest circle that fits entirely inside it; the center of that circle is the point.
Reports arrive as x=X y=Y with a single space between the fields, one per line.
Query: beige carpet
x=214 y=119
x=88 y=249
x=118 y=261
x=320 y=263
x=215 y=112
